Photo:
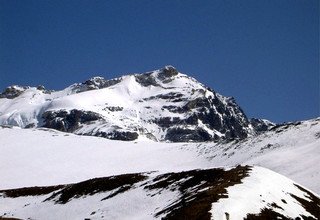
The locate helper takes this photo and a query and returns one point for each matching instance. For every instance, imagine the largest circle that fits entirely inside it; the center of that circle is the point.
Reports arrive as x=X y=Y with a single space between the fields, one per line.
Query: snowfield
x=154 y=145
x=45 y=157
x=40 y=157
x=48 y=157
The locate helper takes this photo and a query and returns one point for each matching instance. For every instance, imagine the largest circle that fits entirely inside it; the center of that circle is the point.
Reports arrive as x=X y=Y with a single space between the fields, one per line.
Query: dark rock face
x=146 y=80
x=100 y=83
x=171 y=96
x=165 y=75
x=68 y=121
x=12 y=92
x=226 y=118
x=95 y=83
x=31 y=125
x=119 y=135
x=167 y=72
x=261 y=125
x=185 y=135
x=44 y=90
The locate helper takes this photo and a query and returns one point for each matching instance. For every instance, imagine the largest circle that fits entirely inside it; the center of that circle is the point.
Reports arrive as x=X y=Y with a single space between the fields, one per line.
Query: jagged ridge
x=163 y=105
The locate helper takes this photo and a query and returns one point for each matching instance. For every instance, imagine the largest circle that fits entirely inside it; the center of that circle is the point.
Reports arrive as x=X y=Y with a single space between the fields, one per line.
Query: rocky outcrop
x=12 y=92
x=164 y=75
x=72 y=121
x=226 y=118
x=187 y=135
x=261 y=125
x=15 y=91
x=95 y=83
x=118 y=135
x=68 y=121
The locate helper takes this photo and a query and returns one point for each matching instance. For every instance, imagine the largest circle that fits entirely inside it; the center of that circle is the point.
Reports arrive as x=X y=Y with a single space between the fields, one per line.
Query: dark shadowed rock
x=165 y=75
x=14 y=91
x=68 y=120
x=261 y=125
x=100 y=83
x=167 y=72
x=118 y=135
x=185 y=135
x=146 y=79
x=95 y=83
x=226 y=118
x=31 y=125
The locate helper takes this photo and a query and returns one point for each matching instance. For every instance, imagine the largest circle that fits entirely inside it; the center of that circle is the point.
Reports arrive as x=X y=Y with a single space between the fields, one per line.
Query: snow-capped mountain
x=162 y=105
x=62 y=154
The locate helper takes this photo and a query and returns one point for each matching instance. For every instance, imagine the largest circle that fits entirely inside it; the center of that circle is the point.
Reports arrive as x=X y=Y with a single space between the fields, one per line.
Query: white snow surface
x=38 y=157
x=293 y=152
x=44 y=157
x=260 y=190
x=133 y=204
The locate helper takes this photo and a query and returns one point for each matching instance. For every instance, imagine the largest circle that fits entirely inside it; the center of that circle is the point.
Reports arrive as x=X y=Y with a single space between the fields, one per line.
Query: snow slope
x=291 y=149
x=195 y=194
x=162 y=105
x=49 y=157
x=263 y=189
x=46 y=157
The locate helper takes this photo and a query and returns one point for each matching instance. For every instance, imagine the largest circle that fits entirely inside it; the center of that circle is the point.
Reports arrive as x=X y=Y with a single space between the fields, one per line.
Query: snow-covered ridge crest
x=195 y=194
x=163 y=105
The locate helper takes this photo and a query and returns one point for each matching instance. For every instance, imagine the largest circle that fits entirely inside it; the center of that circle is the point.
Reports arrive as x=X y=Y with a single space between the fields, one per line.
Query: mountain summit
x=234 y=171
x=163 y=105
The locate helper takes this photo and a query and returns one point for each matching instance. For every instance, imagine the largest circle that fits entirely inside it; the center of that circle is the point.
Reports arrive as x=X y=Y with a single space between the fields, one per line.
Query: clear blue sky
x=265 y=53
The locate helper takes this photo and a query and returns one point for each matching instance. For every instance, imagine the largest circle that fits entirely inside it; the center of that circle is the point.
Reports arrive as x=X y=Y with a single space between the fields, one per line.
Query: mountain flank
x=162 y=105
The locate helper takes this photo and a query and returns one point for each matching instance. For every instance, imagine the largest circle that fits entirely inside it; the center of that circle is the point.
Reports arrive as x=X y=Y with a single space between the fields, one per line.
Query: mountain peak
x=167 y=72
x=13 y=91
x=162 y=105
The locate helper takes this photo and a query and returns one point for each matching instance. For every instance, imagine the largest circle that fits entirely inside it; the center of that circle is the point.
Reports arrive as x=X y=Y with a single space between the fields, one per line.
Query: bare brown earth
x=196 y=189
x=312 y=206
